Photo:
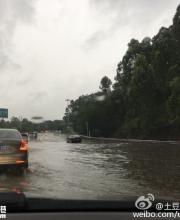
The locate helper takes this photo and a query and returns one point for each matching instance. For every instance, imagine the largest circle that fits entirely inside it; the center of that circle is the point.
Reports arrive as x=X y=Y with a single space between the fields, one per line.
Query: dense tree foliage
x=145 y=99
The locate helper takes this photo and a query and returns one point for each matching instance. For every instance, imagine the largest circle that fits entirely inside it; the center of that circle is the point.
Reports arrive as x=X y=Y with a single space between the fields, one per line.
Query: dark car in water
x=33 y=135
x=74 y=139
x=25 y=137
x=13 y=150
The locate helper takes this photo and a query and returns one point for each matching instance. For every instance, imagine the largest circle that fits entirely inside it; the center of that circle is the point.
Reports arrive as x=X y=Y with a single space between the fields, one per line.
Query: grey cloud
x=122 y=13
x=130 y=10
x=12 y=12
x=24 y=81
x=95 y=38
x=38 y=96
x=23 y=10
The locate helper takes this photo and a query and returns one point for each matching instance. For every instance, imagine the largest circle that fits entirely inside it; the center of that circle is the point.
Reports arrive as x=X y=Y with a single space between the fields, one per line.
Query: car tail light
x=23 y=146
x=20 y=161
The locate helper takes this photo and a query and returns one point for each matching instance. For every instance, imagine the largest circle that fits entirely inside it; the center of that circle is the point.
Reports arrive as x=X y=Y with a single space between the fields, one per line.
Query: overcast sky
x=52 y=50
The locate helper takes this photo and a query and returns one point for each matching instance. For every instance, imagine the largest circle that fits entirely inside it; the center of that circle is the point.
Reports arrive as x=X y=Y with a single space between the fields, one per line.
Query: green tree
x=105 y=84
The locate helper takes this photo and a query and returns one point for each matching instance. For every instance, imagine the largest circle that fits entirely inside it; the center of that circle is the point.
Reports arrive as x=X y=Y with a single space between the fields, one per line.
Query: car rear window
x=9 y=134
x=24 y=135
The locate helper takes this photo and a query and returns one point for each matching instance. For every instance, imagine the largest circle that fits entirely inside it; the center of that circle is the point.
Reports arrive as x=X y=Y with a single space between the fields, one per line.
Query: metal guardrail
x=117 y=140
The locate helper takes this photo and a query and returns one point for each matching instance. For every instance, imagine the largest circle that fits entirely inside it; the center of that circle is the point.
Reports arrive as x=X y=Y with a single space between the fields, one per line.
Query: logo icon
x=144 y=203
x=159 y=206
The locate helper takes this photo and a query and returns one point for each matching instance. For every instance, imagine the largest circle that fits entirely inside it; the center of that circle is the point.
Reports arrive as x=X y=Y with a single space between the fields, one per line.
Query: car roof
x=74 y=135
x=8 y=129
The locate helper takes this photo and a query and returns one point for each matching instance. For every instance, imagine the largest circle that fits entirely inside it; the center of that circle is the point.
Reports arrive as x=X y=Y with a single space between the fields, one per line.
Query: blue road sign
x=3 y=113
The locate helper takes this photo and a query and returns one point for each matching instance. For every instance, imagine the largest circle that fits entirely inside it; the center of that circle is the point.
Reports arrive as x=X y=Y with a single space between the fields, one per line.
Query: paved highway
x=97 y=171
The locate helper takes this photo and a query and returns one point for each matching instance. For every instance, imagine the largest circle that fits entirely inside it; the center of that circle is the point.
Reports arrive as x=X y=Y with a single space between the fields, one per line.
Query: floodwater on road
x=98 y=170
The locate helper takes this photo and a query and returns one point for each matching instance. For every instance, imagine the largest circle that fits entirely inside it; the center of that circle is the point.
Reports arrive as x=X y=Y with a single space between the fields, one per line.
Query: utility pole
x=87 y=128
x=68 y=103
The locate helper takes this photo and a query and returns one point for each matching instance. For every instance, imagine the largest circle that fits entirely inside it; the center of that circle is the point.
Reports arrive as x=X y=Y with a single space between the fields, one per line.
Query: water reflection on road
x=98 y=171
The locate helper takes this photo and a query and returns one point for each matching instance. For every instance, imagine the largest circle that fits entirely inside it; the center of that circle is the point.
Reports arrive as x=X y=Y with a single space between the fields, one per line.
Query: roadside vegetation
x=25 y=125
x=144 y=99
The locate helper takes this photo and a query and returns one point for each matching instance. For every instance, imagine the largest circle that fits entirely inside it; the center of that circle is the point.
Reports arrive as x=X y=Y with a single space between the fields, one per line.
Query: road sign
x=3 y=113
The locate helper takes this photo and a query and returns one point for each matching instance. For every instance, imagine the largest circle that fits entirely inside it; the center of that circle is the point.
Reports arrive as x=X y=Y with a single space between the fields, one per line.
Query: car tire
x=23 y=171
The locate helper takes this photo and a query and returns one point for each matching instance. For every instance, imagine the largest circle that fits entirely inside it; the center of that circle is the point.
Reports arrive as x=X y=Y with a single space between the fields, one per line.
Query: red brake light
x=23 y=146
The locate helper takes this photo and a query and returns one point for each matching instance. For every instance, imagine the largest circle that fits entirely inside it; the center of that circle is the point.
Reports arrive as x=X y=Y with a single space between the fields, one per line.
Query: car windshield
x=93 y=86
x=9 y=134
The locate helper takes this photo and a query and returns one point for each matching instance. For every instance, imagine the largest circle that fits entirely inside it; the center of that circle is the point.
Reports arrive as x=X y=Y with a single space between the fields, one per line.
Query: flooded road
x=98 y=171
